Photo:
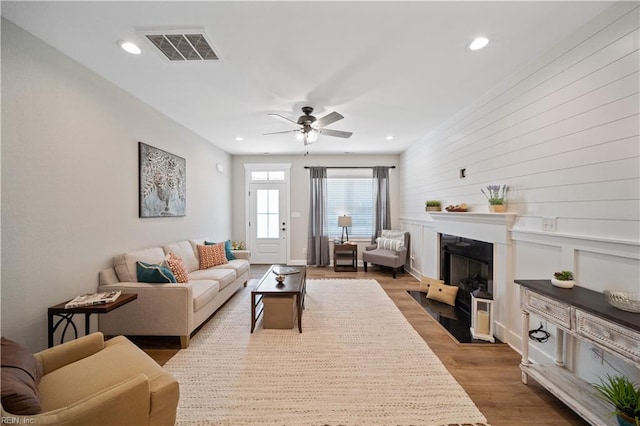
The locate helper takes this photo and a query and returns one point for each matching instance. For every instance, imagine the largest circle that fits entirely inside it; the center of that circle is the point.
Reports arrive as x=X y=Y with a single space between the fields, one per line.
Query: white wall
x=298 y=226
x=70 y=181
x=563 y=134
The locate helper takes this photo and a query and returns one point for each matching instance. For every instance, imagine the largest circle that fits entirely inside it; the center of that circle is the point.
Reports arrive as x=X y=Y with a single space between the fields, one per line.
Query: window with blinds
x=350 y=192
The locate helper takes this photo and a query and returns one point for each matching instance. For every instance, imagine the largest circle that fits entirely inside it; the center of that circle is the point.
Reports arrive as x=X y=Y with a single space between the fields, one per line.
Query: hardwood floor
x=489 y=373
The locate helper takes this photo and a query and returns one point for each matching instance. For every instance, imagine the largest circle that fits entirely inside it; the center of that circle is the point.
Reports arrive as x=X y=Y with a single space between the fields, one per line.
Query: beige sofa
x=170 y=309
x=88 y=381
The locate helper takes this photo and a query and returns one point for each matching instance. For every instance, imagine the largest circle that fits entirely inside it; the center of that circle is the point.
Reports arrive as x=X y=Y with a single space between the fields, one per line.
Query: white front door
x=267 y=222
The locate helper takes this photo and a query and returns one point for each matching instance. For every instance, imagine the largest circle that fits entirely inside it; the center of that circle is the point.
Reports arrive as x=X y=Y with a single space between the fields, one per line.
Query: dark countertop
x=587 y=300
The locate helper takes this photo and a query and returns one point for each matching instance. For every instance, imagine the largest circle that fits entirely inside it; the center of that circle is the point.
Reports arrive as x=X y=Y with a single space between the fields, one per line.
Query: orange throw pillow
x=177 y=268
x=212 y=255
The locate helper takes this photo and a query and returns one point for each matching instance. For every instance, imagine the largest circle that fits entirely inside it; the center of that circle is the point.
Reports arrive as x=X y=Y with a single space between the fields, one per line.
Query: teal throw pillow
x=228 y=250
x=156 y=274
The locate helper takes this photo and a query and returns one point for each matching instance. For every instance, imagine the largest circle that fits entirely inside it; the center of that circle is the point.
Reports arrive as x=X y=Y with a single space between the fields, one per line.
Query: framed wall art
x=163 y=182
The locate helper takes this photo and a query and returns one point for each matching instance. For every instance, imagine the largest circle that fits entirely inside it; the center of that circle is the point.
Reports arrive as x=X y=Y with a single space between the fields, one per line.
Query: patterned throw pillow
x=177 y=268
x=228 y=249
x=390 y=244
x=211 y=255
x=155 y=274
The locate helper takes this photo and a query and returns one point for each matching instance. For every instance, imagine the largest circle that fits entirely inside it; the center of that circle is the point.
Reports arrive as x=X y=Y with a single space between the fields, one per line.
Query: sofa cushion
x=21 y=374
x=152 y=273
x=239 y=265
x=204 y=291
x=177 y=267
x=228 y=249
x=194 y=245
x=384 y=257
x=211 y=255
x=184 y=251
x=125 y=263
x=223 y=276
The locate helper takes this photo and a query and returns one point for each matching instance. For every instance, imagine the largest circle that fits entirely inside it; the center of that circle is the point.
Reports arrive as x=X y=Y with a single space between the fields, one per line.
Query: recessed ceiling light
x=130 y=47
x=389 y=138
x=239 y=138
x=478 y=43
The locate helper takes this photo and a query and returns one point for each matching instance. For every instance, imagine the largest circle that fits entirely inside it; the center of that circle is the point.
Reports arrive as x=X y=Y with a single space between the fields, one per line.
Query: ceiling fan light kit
x=310 y=127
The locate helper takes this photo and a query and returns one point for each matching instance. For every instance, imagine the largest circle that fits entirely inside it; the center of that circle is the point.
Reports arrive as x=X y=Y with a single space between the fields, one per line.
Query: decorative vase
x=624 y=420
x=562 y=284
x=497 y=208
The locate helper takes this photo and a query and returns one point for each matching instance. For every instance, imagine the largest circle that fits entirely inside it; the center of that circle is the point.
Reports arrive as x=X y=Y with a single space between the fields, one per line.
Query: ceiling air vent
x=182 y=45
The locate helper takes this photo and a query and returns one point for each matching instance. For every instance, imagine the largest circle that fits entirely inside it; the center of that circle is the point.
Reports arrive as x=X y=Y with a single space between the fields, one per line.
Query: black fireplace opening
x=467 y=264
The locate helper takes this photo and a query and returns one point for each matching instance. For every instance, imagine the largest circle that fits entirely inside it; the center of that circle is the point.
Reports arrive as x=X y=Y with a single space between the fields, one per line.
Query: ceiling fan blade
x=332 y=117
x=282 y=118
x=286 y=131
x=336 y=133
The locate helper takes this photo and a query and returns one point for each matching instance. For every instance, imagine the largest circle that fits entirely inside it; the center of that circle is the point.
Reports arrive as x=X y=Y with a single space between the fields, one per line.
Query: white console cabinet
x=586 y=315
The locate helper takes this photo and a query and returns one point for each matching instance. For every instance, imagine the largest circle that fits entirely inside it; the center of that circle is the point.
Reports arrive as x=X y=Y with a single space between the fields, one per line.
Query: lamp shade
x=344 y=221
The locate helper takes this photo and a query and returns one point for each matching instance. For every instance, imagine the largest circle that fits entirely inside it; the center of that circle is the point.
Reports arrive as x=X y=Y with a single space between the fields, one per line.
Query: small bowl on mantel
x=625 y=300
x=563 y=283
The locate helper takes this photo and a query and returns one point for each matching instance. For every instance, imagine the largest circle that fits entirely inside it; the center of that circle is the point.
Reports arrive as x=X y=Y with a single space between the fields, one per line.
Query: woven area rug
x=356 y=362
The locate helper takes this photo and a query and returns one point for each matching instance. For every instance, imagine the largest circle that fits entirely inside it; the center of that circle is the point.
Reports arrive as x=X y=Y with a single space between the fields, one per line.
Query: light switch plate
x=549 y=224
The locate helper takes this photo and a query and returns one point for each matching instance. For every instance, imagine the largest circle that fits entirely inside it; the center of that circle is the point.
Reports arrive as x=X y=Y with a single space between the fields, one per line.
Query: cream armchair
x=88 y=381
x=389 y=252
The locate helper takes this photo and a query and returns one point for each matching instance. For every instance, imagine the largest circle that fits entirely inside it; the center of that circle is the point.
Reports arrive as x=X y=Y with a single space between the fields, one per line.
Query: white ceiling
x=390 y=67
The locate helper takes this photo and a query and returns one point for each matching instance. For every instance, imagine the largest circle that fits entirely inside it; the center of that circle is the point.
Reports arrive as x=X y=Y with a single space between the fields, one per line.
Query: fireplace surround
x=467 y=264
x=497 y=270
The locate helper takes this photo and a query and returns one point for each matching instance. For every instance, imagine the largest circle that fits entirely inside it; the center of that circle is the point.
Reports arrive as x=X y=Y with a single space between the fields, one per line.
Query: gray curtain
x=318 y=240
x=381 y=206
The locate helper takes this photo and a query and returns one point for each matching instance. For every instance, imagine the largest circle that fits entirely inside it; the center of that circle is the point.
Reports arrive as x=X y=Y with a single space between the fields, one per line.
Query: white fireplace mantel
x=493 y=228
x=489 y=227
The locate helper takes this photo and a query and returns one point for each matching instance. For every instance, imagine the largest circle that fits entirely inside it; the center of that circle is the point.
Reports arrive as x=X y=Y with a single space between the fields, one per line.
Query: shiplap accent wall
x=563 y=133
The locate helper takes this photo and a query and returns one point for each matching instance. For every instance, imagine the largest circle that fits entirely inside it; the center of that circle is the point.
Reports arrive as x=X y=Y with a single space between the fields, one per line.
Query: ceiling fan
x=309 y=127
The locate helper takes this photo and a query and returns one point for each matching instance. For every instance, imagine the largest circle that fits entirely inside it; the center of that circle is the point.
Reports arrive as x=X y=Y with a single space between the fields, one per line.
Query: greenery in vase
x=563 y=275
x=432 y=203
x=623 y=394
x=496 y=194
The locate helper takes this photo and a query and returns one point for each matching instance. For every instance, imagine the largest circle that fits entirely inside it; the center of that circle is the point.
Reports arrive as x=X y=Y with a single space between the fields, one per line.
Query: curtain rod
x=352 y=167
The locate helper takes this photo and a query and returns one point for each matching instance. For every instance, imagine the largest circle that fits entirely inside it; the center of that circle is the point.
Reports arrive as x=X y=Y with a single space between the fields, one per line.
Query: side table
x=66 y=315
x=345 y=258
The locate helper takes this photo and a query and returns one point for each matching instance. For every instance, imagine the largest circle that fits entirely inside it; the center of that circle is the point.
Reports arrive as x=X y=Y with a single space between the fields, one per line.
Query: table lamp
x=344 y=222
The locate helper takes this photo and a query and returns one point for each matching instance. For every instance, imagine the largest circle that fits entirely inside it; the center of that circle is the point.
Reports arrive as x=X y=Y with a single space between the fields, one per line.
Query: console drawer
x=617 y=338
x=557 y=312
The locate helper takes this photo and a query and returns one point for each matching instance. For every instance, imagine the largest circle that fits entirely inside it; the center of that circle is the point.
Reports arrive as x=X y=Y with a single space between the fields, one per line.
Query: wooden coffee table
x=294 y=285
